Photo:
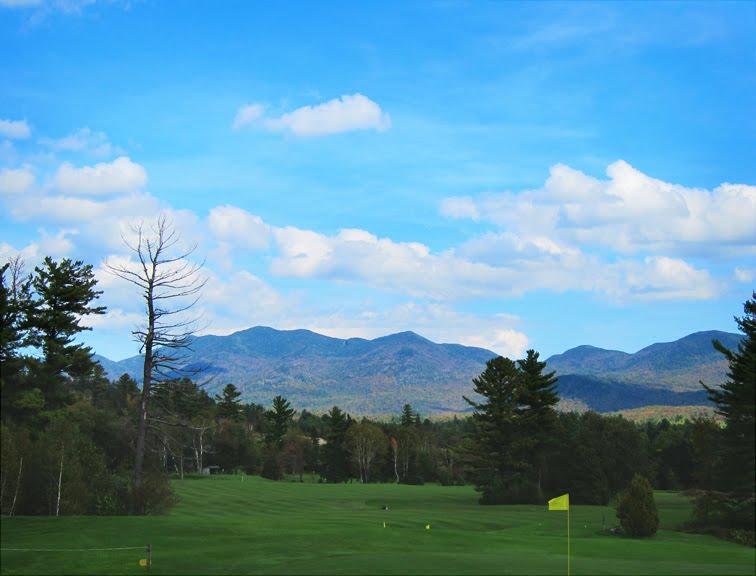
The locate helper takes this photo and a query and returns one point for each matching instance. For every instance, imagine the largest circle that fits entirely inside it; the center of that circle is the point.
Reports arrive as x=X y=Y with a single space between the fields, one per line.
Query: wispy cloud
x=83 y=140
x=248 y=115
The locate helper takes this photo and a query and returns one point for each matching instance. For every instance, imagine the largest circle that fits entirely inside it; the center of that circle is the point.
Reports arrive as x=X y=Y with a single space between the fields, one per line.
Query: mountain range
x=377 y=377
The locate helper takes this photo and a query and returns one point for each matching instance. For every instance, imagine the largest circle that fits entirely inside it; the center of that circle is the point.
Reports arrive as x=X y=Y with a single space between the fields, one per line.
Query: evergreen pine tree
x=63 y=292
x=279 y=417
x=408 y=415
x=736 y=401
x=335 y=457
x=229 y=404
x=540 y=396
x=496 y=420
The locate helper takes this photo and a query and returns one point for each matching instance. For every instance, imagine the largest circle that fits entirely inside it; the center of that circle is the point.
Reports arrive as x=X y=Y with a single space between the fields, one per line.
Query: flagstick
x=568 y=541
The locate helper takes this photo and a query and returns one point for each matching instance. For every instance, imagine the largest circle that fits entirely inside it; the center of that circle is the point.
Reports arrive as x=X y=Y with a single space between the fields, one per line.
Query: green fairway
x=222 y=525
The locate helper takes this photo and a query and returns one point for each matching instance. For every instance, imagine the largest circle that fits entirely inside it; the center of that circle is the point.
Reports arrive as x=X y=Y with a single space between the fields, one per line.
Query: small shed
x=207 y=470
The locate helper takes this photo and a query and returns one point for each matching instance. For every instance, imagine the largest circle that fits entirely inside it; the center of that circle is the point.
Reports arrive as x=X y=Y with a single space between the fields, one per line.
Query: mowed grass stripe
x=223 y=525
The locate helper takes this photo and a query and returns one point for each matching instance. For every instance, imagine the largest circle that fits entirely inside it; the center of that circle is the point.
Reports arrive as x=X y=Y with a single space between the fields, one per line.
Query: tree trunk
x=60 y=479
x=201 y=451
x=146 y=384
x=142 y=427
x=18 y=482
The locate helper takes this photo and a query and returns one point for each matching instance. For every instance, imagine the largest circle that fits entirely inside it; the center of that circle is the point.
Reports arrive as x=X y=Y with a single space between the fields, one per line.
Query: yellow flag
x=143 y=562
x=427 y=526
x=560 y=502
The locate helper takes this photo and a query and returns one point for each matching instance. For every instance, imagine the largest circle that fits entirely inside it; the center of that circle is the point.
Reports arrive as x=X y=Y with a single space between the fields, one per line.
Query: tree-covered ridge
x=315 y=371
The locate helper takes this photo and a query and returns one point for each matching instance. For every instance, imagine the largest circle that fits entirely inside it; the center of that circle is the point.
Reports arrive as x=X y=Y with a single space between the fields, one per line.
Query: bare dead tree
x=166 y=278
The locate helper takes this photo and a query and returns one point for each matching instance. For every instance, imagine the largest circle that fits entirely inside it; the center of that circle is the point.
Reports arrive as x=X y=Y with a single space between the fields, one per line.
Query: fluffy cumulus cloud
x=120 y=175
x=493 y=265
x=630 y=212
x=344 y=114
x=411 y=268
x=659 y=278
x=14 y=129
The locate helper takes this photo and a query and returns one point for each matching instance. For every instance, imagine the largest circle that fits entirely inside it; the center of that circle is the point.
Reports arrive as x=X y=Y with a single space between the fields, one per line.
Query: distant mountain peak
x=404 y=337
x=379 y=376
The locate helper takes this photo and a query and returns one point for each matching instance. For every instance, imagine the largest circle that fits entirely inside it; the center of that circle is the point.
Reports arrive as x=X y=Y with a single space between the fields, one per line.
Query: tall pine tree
x=540 y=396
x=736 y=401
x=496 y=423
x=509 y=443
x=279 y=418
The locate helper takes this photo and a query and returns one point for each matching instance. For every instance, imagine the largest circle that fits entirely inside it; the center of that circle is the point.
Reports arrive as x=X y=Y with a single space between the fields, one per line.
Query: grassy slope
x=225 y=526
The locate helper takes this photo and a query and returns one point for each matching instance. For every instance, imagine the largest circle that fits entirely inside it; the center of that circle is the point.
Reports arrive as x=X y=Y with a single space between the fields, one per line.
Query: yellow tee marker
x=384 y=524
x=427 y=526
x=143 y=562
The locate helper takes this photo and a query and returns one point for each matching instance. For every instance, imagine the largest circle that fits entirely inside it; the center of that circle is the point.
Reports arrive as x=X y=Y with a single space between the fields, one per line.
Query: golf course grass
x=223 y=525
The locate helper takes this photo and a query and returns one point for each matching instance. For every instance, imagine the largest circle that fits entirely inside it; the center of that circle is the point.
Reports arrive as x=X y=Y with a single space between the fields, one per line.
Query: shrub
x=725 y=515
x=154 y=496
x=636 y=508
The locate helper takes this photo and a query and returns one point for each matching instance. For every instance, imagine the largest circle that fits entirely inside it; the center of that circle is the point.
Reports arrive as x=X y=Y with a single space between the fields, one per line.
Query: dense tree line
x=69 y=435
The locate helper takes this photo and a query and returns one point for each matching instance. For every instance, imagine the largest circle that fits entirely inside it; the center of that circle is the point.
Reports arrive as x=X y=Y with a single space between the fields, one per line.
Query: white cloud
x=241 y=300
x=239 y=227
x=248 y=114
x=29 y=253
x=345 y=114
x=114 y=319
x=660 y=278
x=630 y=213
x=57 y=245
x=83 y=140
x=71 y=209
x=303 y=252
x=16 y=181
x=493 y=265
x=119 y=176
x=14 y=129
x=507 y=342
x=411 y=268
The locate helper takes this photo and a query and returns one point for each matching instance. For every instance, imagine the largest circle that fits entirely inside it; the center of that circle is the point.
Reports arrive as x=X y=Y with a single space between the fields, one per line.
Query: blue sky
x=508 y=175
